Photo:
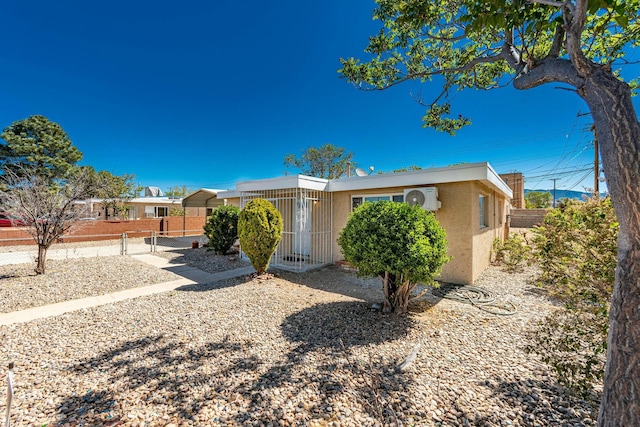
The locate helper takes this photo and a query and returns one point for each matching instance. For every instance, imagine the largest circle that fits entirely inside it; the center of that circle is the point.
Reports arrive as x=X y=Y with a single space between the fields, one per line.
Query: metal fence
x=24 y=250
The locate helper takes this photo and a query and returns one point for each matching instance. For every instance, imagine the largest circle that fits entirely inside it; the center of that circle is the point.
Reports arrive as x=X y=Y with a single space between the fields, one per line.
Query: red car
x=5 y=221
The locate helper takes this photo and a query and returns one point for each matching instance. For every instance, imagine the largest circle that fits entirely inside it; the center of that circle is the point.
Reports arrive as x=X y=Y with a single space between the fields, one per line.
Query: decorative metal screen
x=306 y=240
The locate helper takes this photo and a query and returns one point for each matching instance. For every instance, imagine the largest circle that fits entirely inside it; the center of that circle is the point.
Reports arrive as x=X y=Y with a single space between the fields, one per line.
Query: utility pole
x=554 y=192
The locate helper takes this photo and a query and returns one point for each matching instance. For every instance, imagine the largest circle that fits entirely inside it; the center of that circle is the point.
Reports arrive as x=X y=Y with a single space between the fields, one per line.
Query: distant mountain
x=566 y=194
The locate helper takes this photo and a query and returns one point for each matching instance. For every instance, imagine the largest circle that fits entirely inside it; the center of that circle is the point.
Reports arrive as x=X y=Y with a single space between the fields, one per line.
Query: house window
x=358 y=200
x=156 y=211
x=484 y=212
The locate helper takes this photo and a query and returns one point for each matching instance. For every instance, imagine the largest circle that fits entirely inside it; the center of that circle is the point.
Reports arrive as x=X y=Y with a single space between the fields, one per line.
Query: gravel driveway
x=295 y=350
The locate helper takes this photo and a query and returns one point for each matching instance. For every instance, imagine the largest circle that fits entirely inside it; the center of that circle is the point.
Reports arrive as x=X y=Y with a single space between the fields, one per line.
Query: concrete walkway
x=190 y=276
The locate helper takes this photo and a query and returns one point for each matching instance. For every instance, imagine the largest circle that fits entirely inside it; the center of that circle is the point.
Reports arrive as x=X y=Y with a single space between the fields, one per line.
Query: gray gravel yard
x=295 y=350
x=68 y=279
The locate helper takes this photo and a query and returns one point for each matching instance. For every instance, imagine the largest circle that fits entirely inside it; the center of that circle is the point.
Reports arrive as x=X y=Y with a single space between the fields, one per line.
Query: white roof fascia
x=459 y=173
x=228 y=194
x=140 y=200
x=155 y=200
x=291 y=181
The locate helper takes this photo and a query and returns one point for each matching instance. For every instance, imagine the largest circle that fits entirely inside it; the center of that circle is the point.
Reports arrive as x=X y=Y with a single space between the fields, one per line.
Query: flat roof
x=481 y=171
x=278 y=183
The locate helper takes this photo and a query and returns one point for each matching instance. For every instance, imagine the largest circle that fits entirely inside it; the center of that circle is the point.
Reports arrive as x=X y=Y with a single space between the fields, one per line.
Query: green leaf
x=622 y=20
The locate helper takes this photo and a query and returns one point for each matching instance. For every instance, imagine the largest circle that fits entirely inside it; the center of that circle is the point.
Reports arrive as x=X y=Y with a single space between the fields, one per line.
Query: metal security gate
x=306 y=240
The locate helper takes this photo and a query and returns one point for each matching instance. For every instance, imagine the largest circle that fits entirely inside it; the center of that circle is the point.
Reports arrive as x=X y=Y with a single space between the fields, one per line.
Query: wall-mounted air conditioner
x=427 y=197
x=150 y=214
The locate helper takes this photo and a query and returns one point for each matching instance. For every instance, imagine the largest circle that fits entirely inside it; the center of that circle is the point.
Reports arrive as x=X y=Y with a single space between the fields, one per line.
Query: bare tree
x=47 y=209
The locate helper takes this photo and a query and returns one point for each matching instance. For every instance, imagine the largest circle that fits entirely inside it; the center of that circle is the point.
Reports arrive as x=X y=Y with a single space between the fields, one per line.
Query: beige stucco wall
x=483 y=237
x=456 y=217
x=233 y=202
x=468 y=245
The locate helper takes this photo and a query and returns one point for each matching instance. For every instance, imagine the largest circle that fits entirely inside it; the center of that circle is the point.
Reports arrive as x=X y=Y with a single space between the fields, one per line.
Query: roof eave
x=481 y=171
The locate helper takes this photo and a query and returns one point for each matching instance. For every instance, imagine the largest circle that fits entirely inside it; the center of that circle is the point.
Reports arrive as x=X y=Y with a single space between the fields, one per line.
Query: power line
x=555 y=173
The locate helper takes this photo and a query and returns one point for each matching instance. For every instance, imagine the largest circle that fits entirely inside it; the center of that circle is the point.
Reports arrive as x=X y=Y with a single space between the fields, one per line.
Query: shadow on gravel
x=236 y=382
x=533 y=402
x=206 y=260
x=163 y=373
x=218 y=284
x=336 y=280
x=333 y=329
x=340 y=325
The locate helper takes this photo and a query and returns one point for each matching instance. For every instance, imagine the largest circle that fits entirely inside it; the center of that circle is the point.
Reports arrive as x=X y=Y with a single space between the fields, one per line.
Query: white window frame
x=154 y=210
x=386 y=196
x=484 y=211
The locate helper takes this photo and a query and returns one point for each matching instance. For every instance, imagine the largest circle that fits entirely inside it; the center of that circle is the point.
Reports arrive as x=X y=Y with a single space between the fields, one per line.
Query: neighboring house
x=139 y=207
x=469 y=200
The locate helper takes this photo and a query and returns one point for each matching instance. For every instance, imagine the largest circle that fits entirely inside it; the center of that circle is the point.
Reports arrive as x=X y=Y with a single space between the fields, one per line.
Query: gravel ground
x=204 y=260
x=295 y=350
x=68 y=279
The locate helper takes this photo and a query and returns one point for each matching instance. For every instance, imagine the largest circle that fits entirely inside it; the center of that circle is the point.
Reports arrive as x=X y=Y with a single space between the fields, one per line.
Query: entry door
x=302 y=229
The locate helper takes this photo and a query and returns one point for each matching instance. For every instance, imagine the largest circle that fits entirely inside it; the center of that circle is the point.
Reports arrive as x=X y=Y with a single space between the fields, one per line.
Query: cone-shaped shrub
x=222 y=228
x=260 y=230
x=403 y=245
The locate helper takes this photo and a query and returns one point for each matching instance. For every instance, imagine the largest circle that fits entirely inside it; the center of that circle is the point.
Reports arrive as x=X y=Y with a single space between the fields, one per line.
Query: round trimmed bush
x=403 y=245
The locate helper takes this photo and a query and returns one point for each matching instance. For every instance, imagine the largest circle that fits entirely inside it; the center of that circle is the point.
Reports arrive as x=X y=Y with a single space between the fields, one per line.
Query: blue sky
x=205 y=94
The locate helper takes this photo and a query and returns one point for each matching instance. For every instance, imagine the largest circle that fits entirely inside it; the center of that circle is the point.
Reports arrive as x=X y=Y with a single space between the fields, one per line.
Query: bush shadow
x=345 y=282
x=336 y=280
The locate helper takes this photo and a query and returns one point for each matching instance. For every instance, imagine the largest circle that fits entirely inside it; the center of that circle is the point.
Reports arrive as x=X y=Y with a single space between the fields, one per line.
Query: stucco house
x=138 y=208
x=469 y=200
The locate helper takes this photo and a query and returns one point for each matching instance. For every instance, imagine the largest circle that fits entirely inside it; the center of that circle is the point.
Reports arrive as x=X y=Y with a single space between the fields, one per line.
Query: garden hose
x=477 y=297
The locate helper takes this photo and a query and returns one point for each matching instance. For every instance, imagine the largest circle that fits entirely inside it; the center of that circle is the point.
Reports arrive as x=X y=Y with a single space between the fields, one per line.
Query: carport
x=206 y=198
x=203 y=198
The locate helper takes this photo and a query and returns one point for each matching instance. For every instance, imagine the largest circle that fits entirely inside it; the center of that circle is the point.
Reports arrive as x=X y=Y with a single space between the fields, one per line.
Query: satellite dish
x=361 y=172
x=415 y=197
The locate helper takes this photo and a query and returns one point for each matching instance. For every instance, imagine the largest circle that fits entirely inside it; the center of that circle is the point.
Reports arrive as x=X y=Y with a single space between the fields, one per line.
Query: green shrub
x=576 y=247
x=260 y=230
x=513 y=252
x=574 y=344
x=222 y=228
x=401 y=244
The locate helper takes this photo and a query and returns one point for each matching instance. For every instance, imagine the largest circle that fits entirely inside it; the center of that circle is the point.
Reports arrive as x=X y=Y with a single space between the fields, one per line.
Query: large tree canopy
x=328 y=161
x=39 y=145
x=580 y=43
x=116 y=190
x=488 y=44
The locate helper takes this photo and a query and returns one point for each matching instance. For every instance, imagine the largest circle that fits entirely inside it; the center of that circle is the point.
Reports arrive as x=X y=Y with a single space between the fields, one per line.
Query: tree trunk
x=42 y=259
x=618 y=131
